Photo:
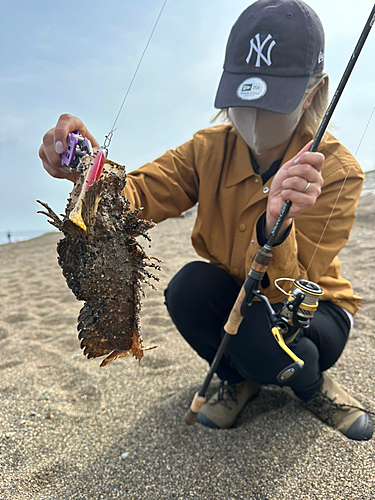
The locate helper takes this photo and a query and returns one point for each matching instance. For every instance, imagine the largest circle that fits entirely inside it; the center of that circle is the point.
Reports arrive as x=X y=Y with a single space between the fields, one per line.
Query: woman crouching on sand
x=273 y=93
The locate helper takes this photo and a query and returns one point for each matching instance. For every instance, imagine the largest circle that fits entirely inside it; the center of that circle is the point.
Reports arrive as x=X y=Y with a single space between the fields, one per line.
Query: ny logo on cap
x=259 y=50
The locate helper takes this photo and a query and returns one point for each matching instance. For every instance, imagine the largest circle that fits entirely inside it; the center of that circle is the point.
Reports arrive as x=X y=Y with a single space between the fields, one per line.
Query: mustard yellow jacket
x=214 y=169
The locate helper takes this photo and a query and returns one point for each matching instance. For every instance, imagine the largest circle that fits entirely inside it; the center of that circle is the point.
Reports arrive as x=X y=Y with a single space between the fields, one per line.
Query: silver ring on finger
x=306 y=187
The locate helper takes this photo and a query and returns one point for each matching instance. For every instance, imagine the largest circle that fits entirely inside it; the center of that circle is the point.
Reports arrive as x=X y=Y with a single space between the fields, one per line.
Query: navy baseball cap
x=273 y=49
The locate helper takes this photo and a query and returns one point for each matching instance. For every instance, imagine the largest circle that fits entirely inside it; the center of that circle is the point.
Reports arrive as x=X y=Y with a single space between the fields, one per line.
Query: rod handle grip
x=192 y=414
x=235 y=316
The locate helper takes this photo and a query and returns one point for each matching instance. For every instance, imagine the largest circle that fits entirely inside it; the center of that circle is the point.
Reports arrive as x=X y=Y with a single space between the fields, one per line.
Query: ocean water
x=13 y=236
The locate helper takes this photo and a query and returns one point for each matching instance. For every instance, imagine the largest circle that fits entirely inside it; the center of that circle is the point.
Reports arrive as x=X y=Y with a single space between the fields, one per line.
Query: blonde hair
x=222 y=116
x=311 y=118
x=313 y=115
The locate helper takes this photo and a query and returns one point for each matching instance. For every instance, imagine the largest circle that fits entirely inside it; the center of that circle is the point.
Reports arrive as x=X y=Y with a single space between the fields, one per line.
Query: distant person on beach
x=9 y=236
x=273 y=94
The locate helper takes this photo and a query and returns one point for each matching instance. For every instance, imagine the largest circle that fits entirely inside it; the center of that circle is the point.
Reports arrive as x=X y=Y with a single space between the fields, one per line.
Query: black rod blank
x=327 y=117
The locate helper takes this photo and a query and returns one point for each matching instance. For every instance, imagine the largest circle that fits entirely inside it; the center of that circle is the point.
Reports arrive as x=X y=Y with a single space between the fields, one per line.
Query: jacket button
x=242 y=227
x=235 y=271
x=256 y=180
x=265 y=190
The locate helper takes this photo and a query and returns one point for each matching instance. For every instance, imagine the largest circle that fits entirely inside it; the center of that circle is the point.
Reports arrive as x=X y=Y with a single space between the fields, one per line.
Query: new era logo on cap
x=251 y=89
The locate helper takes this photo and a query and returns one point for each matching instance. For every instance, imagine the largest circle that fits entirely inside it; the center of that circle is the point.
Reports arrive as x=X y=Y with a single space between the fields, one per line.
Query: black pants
x=199 y=299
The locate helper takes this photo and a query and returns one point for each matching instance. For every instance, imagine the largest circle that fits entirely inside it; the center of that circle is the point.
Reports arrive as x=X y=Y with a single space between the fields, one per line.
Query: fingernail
x=59 y=148
x=296 y=160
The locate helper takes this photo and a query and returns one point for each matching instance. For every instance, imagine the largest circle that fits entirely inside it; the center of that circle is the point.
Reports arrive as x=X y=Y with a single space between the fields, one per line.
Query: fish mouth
x=85 y=203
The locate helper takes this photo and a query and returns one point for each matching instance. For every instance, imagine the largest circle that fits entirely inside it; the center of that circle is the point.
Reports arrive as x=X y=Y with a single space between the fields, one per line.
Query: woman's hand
x=54 y=144
x=298 y=180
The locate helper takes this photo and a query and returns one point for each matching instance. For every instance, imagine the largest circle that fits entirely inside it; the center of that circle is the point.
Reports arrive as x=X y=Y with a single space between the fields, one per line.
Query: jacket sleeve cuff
x=284 y=263
x=261 y=230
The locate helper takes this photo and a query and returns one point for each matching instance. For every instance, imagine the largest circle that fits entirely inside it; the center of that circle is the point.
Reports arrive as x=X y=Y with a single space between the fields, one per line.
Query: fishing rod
x=304 y=297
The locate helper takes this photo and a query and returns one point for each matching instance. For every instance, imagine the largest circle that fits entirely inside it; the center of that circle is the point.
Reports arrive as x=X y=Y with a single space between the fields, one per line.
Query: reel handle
x=289 y=372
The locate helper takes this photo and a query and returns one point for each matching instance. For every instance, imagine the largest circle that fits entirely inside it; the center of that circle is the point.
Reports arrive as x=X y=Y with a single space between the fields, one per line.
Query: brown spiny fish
x=103 y=263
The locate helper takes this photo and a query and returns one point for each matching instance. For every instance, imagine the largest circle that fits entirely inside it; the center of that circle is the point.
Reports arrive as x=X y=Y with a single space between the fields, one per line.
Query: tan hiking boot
x=334 y=406
x=222 y=409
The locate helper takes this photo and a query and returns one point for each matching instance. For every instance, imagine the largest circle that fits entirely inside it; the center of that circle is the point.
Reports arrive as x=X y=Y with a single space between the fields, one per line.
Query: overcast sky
x=59 y=56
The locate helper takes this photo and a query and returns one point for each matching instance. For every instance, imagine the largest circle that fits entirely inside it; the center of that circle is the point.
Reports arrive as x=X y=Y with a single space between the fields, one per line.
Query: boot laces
x=321 y=404
x=227 y=392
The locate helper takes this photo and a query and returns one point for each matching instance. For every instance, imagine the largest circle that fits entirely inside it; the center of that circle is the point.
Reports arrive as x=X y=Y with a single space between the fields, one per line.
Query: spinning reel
x=295 y=314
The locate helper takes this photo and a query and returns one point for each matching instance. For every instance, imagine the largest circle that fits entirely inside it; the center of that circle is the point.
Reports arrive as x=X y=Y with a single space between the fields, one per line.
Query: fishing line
x=108 y=137
x=368 y=123
x=338 y=196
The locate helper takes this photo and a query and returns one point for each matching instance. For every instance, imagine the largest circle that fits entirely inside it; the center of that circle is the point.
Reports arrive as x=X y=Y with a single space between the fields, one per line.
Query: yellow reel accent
x=280 y=340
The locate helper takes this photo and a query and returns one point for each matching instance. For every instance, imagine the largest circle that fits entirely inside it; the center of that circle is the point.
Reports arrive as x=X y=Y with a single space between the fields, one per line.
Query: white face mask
x=263 y=130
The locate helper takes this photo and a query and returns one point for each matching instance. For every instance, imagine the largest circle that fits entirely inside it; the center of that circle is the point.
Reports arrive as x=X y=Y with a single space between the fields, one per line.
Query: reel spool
x=309 y=304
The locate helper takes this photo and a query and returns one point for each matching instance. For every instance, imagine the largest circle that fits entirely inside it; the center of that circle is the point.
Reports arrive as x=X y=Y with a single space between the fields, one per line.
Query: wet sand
x=69 y=430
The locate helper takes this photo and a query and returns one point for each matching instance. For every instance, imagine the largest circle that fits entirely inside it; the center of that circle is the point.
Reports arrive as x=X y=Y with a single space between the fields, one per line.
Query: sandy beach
x=71 y=430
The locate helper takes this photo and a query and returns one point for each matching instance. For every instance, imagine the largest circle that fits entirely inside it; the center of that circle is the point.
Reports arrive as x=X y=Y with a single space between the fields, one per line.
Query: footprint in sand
x=60 y=320
x=48 y=304
x=3 y=333
x=155 y=363
x=151 y=303
x=14 y=290
x=10 y=364
x=17 y=318
x=45 y=307
x=157 y=320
